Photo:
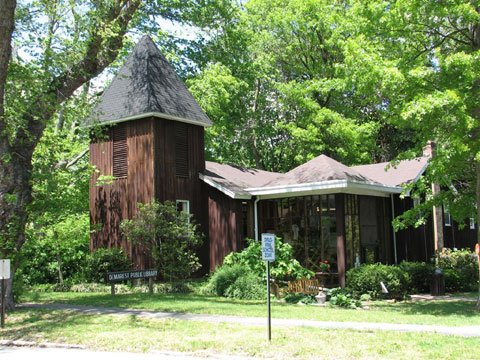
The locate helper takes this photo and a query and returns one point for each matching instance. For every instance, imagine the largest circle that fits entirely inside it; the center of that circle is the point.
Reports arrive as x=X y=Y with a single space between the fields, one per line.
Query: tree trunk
x=477 y=193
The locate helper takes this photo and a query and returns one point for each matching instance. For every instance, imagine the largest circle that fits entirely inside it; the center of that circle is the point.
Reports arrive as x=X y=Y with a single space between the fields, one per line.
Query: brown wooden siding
x=225 y=226
x=169 y=186
x=111 y=203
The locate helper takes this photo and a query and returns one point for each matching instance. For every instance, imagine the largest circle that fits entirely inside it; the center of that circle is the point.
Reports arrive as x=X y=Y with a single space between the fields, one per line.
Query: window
x=472 y=223
x=183 y=206
x=120 y=151
x=447 y=217
x=181 y=149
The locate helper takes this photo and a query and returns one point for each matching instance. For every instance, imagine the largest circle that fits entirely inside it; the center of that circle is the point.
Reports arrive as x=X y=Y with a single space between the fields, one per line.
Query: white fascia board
x=326 y=187
x=151 y=114
x=223 y=189
x=421 y=172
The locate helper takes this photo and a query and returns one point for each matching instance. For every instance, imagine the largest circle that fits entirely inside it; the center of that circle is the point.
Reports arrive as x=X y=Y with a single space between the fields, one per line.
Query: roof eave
x=149 y=114
x=223 y=189
x=330 y=186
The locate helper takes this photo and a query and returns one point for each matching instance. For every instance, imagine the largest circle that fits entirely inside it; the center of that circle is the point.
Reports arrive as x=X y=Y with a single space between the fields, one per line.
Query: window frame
x=183 y=202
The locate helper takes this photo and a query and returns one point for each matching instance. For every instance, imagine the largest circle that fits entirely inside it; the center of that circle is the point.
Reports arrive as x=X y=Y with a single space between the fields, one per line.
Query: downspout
x=255 y=215
x=394 y=232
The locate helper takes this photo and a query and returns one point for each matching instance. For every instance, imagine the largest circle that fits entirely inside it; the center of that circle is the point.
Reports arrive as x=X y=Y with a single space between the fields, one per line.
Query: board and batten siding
x=225 y=226
x=113 y=201
x=154 y=151
x=179 y=159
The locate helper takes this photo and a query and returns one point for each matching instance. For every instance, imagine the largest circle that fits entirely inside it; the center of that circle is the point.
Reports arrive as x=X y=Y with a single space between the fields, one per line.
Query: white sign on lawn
x=268 y=247
x=4 y=269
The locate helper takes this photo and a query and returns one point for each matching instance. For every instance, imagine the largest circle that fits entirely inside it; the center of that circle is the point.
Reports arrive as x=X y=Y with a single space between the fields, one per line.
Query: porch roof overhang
x=325 y=187
x=317 y=188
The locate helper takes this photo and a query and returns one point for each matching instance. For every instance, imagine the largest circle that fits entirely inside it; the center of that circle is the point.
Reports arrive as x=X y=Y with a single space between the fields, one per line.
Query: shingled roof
x=321 y=168
x=147 y=85
x=233 y=179
x=405 y=172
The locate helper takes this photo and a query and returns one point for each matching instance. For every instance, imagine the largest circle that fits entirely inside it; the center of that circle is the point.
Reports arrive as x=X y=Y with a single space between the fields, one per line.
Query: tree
x=435 y=49
x=58 y=46
x=170 y=236
x=278 y=79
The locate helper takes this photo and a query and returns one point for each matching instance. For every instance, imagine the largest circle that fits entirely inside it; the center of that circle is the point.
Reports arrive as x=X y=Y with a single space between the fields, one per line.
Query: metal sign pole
x=2 y=322
x=268 y=303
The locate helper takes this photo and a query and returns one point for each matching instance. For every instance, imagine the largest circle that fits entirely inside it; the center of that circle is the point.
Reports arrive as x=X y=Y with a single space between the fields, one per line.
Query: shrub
x=57 y=253
x=171 y=237
x=366 y=280
x=224 y=276
x=343 y=298
x=419 y=276
x=102 y=261
x=285 y=267
x=460 y=269
x=299 y=298
x=247 y=286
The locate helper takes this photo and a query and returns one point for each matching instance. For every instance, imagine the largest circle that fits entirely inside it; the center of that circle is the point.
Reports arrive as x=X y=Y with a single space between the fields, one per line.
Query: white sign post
x=268 y=255
x=4 y=275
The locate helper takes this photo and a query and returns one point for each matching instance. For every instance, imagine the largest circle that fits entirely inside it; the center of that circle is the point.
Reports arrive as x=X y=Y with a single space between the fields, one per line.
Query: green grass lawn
x=451 y=313
x=131 y=333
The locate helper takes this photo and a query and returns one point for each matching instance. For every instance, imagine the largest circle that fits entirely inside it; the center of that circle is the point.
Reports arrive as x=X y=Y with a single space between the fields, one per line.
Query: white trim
x=329 y=186
x=394 y=232
x=223 y=189
x=255 y=214
x=150 y=114
x=472 y=223
x=186 y=202
x=447 y=215
x=420 y=173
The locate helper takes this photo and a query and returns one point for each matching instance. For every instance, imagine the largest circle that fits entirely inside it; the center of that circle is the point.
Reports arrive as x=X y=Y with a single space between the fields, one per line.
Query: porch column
x=341 y=253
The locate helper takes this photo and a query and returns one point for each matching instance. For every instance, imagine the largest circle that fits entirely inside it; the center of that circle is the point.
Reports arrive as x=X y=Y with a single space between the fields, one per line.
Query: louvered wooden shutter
x=120 y=150
x=181 y=149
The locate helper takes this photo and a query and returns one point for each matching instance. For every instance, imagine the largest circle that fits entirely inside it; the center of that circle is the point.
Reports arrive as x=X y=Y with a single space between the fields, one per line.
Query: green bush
x=343 y=298
x=225 y=276
x=235 y=281
x=102 y=261
x=419 y=276
x=285 y=267
x=57 y=253
x=247 y=286
x=366 y=280
x=299 y=298
x=460 y=269
x=170 y=236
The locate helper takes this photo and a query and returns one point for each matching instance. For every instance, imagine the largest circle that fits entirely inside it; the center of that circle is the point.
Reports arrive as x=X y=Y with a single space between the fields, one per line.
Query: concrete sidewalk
x=466 y=331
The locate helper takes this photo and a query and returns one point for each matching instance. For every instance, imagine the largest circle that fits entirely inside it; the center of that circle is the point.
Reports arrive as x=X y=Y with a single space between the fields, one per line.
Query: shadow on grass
x=158 y=302
x=435 y=308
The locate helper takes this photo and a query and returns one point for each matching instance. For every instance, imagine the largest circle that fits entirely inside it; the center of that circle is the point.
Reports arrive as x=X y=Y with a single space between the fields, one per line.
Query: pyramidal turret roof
x=147 y=85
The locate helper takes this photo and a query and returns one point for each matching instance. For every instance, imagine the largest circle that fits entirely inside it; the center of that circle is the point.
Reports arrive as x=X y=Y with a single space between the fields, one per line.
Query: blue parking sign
x=268 y=247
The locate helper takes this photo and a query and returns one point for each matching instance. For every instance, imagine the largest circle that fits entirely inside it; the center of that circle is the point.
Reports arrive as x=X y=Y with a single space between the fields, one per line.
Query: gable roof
x=233 y=180
x=405 y=172
x=147 y=85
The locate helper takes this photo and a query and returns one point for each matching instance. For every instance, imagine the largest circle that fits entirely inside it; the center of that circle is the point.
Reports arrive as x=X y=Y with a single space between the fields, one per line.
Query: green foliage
x=56 y=253
x=236 y=281
x=170 y=236
x=285 y=267
x=343 y=298
x=460 y=269
x=102 y=261
x=419 y=276
x=299 y=298
x=247 y=286
x=366 y=280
